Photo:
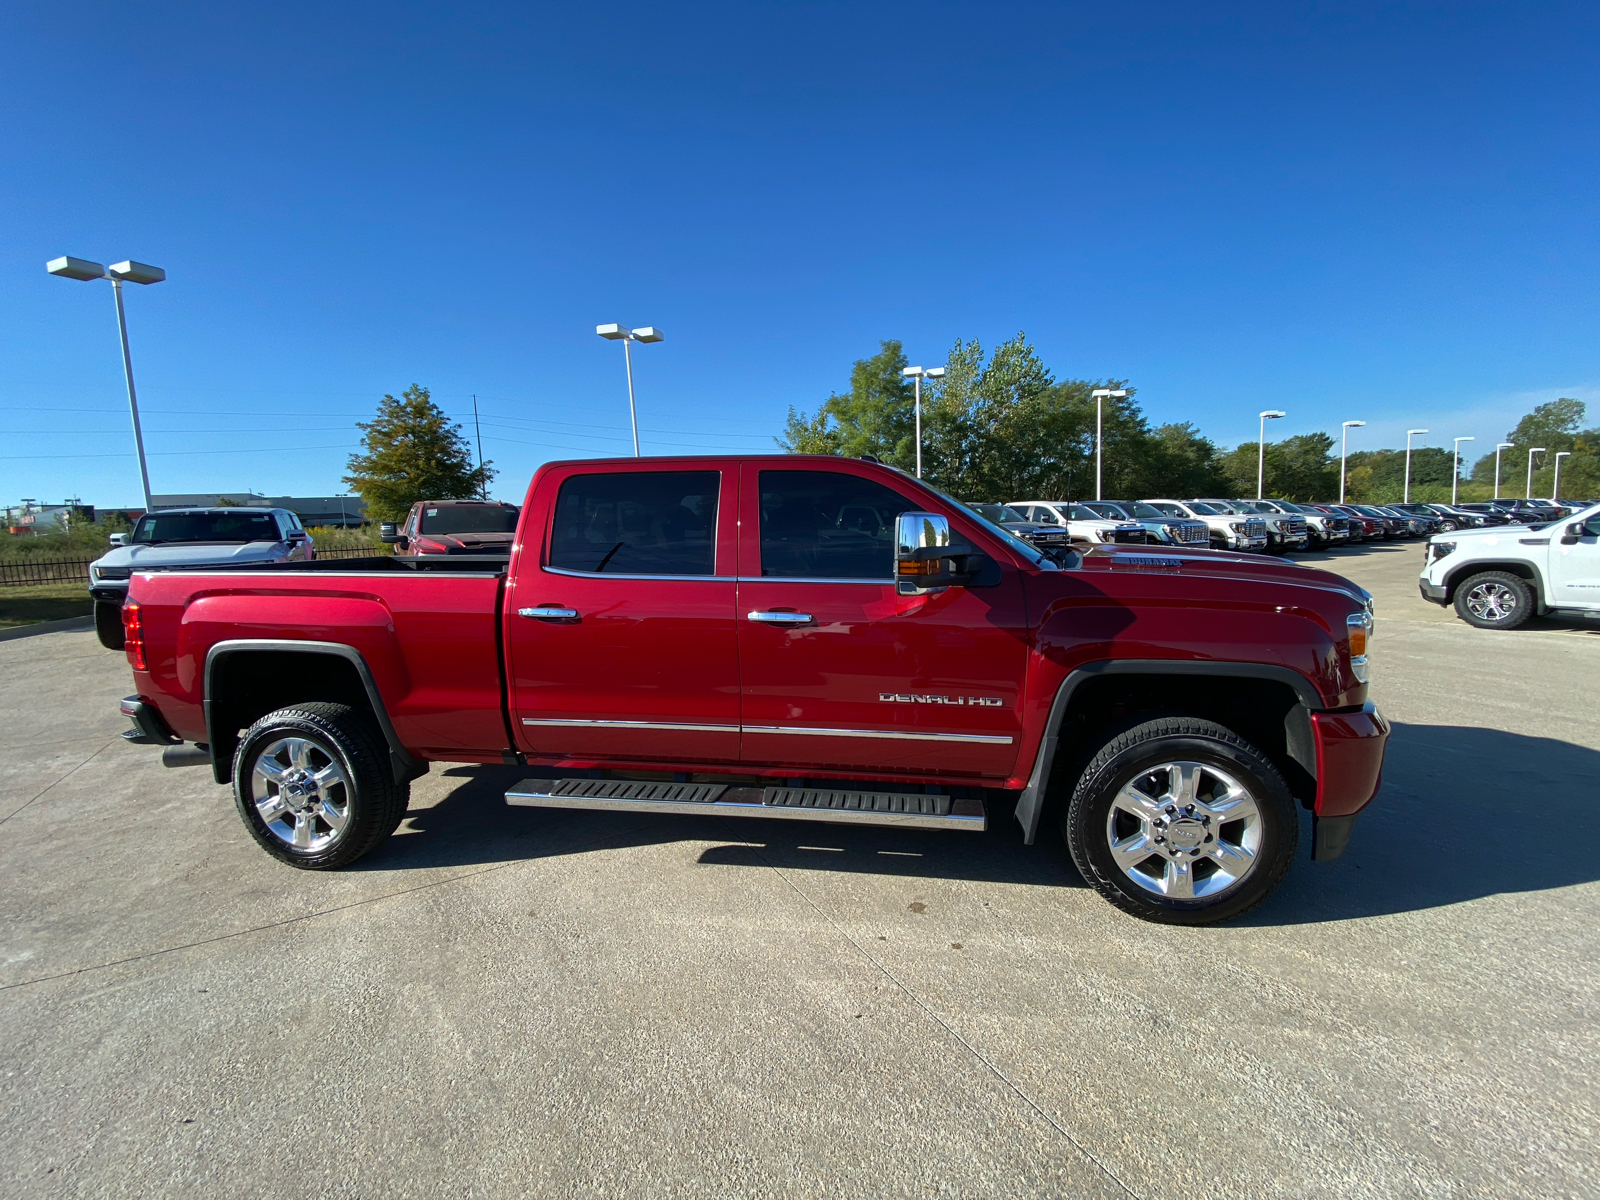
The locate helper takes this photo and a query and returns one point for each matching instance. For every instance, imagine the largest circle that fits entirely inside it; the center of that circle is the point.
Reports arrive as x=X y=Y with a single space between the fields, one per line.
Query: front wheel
x=314 y=786
x=1183 y=822
x=1494 y=600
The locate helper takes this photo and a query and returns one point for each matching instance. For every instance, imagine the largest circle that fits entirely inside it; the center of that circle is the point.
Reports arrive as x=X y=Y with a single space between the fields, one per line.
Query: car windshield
x=1247 y=507
x=1030 y=552
x=998 y=513
x=1142 y=511
x=1110 y=512
x=1204 y=510
x=235 y=525
x=469 y=518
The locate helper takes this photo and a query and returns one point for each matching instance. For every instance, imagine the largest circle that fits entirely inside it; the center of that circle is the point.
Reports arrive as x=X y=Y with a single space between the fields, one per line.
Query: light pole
x=1531 y=452
x=1455 y=467
x=131 y=272
x=1409 y=432
x=1555 y=487
x=918 y=374
x=1272 y=414
x=621 y=333
x=1344 y=446
x=1497 y=449
x=1100 y=396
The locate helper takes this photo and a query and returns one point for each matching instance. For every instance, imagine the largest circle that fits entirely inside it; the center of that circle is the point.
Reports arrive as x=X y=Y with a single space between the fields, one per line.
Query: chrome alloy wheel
x=1491 y=601
x=1184 y=830
x=301 y=793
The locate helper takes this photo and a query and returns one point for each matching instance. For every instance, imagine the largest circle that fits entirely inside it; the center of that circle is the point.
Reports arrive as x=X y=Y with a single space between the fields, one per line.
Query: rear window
x=469 y=518
x=637 y=523
x=233 y=526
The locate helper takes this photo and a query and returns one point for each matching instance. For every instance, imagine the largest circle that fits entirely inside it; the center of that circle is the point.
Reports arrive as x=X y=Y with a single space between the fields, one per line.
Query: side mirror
x=925 y=558
x=119 y=539
x=299 y=535
x=387 y=534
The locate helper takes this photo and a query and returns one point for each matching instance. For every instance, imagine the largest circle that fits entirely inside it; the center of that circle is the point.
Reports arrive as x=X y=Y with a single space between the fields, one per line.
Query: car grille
x=1130 y=536
x=1297 y=526
x=1048 y=537
x=1255 y=529
x=1196 y=533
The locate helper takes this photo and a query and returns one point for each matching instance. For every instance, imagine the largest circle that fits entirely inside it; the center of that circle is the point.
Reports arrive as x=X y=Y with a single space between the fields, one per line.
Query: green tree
x=876 y=416
x=413 y=452
x=1178 y=461
x=1555 y=426
x=1298 y=468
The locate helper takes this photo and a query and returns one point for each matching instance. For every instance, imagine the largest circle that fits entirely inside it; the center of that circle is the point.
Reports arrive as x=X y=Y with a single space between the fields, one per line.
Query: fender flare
x=404 y=766
x=1030 y=804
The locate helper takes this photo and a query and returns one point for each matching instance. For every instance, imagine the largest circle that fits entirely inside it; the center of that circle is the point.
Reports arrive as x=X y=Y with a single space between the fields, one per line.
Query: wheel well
x=246 y=685
x=1267 y=712
x=1468 y=570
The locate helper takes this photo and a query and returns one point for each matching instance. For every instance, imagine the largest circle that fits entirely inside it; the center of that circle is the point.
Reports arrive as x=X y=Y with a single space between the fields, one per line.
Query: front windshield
x=1252 y=506
x=236 y=525
x=1109 y=511
x=1143 y=511
x=998 y=513
x=1204 y=510
x=469 y=518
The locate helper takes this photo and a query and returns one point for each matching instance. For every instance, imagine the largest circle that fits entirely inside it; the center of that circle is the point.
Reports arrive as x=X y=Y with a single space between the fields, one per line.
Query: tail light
x=133 y=634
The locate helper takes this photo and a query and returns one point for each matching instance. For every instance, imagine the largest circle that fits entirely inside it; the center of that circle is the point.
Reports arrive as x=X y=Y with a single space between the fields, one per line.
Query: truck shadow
x=1464 y=813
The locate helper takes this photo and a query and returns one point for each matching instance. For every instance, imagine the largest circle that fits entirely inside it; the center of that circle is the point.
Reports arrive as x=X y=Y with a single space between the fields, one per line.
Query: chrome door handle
x=549 y=612
x=780 y=618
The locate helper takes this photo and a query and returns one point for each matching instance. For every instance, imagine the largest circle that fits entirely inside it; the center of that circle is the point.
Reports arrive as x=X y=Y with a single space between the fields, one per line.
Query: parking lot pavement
x=508 y=1002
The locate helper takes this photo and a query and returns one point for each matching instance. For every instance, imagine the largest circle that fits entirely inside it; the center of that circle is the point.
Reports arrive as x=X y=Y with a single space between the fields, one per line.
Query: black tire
x=1131 y=756
x=1448 y=527
x=1494 y=600
x=373 y=803
x=108 y=624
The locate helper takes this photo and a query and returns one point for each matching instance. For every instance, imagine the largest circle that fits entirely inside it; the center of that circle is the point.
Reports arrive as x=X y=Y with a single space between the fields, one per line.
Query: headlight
x=1236 y=526
x=1437 y=550
x=1106 y=535
x=1360 y=628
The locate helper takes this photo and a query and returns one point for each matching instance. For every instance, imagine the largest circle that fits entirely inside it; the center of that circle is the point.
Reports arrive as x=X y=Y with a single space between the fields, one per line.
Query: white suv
x=1228 y=531
x=1082 y=524
x=1500 y=576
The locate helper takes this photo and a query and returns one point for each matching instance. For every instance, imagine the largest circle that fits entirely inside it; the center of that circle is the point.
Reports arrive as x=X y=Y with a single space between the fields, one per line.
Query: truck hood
x=471 y=543
x=176 y=554
x=1182 y=560
x=1489 y=535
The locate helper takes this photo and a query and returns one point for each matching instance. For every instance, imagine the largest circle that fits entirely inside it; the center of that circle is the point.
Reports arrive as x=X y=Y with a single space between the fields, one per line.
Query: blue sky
x=1383 y=213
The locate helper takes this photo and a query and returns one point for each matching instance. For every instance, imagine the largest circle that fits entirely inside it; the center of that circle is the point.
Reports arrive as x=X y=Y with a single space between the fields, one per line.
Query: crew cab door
x=620 y=638
x=1575 y=565
x=840 y=671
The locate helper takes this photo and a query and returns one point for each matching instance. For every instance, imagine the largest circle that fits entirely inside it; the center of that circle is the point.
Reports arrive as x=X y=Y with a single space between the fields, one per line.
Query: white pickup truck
x=1500 y=576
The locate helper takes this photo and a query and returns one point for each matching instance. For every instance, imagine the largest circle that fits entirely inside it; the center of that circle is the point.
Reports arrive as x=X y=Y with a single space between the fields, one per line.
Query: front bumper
x=1436 y=592
x=1350 y=749
x=109 y=591
x=1239 y=542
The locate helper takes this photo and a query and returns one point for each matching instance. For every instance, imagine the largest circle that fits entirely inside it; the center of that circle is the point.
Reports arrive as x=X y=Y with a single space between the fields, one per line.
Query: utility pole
x=483 y=484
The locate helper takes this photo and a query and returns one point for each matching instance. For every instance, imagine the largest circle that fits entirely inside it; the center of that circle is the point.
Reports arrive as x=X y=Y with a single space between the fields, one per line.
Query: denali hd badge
x=972 y=701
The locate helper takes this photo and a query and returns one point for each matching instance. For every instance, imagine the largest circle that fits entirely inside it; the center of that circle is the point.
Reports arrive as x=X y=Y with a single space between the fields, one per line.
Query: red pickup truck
x=788 y=637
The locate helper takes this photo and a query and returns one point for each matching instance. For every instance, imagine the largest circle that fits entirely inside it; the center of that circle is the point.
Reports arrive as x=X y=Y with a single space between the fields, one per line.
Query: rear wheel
x=108 y=624
x=314 y=786
x=1494 y=600
x=1183 y=822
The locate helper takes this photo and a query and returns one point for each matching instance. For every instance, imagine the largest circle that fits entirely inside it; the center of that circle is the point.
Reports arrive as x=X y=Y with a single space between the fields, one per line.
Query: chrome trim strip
x=532 y=798
x=886 y=582
x=674 y=726
x=603 y=575
x=986 y=738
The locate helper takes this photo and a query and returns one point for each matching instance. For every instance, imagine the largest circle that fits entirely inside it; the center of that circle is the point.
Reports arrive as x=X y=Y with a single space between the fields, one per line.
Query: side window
x=1170 y=510
x=827 y=525
x=1045 y=516
x=637 y=523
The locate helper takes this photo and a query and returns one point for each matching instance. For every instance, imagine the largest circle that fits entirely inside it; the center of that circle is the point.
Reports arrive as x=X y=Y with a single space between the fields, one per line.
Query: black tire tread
x=380 y=805
x=1147 y=730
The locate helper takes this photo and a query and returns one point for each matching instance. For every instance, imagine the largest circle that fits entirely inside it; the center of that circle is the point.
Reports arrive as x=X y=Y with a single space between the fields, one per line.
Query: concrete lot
x=507 y=1002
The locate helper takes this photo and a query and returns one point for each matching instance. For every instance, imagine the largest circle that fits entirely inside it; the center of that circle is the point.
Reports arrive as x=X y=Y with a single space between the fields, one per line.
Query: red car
x=454 y=527
x=792 y=638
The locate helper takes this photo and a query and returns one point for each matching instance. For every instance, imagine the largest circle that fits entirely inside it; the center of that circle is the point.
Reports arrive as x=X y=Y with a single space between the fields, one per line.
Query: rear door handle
x=780 y=618
x=549 y=612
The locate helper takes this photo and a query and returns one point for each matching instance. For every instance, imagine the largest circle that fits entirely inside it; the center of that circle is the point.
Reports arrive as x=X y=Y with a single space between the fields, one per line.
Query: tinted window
x=1168 y=510
x=637 y=523
x=227 y=526
x=469 y=518
x=827 y=525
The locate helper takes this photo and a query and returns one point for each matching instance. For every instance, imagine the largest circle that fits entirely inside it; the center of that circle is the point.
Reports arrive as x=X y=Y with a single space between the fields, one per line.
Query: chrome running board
x=905 y=810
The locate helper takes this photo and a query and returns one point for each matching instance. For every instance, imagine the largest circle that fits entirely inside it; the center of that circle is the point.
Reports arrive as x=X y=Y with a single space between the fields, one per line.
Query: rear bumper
x=149 y=729
x=1350 y=749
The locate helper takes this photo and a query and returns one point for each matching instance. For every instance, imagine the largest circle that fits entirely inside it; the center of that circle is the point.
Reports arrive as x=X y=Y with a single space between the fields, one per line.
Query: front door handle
x=549 y=612
x=780 y=618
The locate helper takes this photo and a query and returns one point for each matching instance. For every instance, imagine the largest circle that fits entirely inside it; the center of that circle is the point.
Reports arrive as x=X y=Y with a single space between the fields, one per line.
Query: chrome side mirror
x=119 y=539
x=922 y=553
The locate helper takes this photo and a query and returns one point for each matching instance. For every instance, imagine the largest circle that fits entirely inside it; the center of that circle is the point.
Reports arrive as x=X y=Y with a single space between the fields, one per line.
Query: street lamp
x=1409 y=432
x=1100 y=395
x=919 y=374
x=1455 y=467
x=621 y=333
x=130 y=272
x=1531 y=452
x=1344 y=446
x=1497 y=449
x=1272 y=414
x=1555 y=487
